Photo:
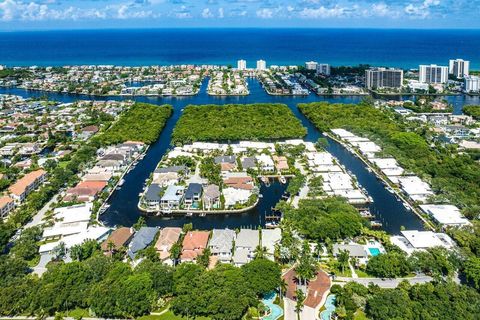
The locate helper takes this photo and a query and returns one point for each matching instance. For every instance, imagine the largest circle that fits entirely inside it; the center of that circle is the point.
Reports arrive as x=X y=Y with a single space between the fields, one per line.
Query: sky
x=92 y=14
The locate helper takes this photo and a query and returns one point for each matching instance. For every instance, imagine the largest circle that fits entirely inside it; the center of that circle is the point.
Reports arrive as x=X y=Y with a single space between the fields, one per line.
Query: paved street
x=383 y=283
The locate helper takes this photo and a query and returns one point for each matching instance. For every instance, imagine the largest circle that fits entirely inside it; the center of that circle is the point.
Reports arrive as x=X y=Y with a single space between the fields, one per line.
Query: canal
x=123 y=203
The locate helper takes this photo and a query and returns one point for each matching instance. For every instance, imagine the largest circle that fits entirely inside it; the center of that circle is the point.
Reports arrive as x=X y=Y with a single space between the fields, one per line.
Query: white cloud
x=221 y=13
x=206 y=13
x=323 y=12
x=421 y=10
x=265 y=13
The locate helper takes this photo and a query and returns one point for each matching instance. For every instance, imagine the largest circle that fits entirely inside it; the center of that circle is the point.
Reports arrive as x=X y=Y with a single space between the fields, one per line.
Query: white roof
x=233 y=196
x=270 y=237
x=65 y=229
x=387 y=163
x=247 y=238
x=93 y=233
x=264 y=160
x=413 y=185
x=445 y=214
x=76 y=213
x=427 y=239
x=342 y=133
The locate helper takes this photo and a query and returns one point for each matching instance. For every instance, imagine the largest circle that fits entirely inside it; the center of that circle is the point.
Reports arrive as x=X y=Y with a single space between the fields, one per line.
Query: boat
x=389 y=189
x=283 y=180
x=203 y=214
x=376 y=224
x=121 y=182
x=366 y=214
x=189 y=214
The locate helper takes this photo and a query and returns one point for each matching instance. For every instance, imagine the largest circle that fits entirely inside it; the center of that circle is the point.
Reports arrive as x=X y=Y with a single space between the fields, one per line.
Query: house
x=245 y=244
x=211 y=197
x=141 y=240
x=166 y=179
x=445 y=214
x=354 y=250
x=85 y=191
x=180 y=170
x=415 y=240
x=221 y=244
x=172 y=197
x=91 y=233
x=270 y=238
x=245 y=183
x=119 y=238
x=248 y=163
x=265 y=163
x=152 y=196
x=281 y=163
x=227 y=163
x=192 y=194
x=20 y=189
x=193 y=245
x=87 y=132
x=7 y=204
x=168 y=237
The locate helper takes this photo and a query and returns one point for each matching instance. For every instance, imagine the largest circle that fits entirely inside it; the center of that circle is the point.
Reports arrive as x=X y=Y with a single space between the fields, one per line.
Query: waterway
x=123 y=203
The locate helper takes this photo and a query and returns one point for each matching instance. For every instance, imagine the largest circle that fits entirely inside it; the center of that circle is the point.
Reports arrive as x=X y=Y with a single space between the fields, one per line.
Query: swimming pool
x=329 y=308
x=374 y=251
x=275 y=310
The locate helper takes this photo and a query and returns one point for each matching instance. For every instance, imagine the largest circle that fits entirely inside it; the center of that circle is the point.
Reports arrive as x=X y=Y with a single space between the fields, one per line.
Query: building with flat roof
x=261 y=65
x=241 y=65
x=433 y=74
x=471 y=83
x=459 y=67
x=383 y=78
x=445 y=214
x=311 y=65
x=323 y=69
x=415 y=240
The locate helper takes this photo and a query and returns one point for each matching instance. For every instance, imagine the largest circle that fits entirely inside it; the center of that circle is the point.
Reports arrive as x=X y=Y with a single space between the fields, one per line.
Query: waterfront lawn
x=142 y=122
x=455 y=176
x=237 y=122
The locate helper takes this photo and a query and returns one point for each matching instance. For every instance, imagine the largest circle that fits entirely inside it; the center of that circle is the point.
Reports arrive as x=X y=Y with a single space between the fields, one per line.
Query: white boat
x=189 y=214
x=203 y=214
x=283 y=180
x=121 y=182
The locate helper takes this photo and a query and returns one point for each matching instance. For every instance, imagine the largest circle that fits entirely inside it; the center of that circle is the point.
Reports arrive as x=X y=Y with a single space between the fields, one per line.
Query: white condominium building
x=472 y=83
x=383 y=78
x=241 y=65
x=323 y=68
x=311 y=65
x=261 y=65
x=459 y=68
x=433 y=74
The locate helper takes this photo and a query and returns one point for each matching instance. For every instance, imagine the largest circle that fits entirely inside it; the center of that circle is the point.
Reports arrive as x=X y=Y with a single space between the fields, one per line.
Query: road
x=383 y=283
x=38 y=218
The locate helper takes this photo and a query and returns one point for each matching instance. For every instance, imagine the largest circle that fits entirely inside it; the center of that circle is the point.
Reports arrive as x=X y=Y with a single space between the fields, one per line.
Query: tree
x=204 y=258
x=343 y=258
x=472 y=271
x=260 y=252
x=300 y=298
x=85 y=250
x=306 y=266
x=187 y=227
x=175 y=252
x=140 y=223
x=263 y=276
x=59 y=251
x=389 y=265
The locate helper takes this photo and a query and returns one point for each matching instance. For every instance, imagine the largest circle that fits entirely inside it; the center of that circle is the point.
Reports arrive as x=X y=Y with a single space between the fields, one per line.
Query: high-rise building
x=383 y=78
x=472 y=84
x=241 y=65
x=311 y=65
x=323 y=68
x=459 y=68
x=433 y=74
x=261 y=65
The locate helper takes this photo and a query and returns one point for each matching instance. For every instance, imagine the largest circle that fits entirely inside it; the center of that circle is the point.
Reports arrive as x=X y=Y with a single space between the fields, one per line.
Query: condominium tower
x=459 y=68
x=433 y=74
x=241 y=65
x=383 y=78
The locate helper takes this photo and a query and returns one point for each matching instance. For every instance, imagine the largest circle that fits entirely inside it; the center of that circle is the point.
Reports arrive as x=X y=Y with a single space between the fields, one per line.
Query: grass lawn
x=78 y=313
x=262 y=121
x=359 y=315
x=362 y=274
x=169 y=316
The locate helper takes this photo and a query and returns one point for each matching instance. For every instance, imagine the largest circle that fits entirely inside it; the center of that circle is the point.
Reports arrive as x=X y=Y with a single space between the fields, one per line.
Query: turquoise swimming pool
x=374 y=251
x=329 y=308
x=275 y=310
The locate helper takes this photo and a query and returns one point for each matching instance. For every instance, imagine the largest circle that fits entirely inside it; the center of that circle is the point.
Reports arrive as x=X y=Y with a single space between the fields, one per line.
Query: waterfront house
x=119 y=238
x=7 y=204
x=245 y=244
x=265 y=163
x=87 y=132
x=182 y=171
x=153 y=196
x=211 y=197
x=192 y=194
x=193 y=245
x=142 y=239
x=415 y=240
x=240 y=182
x=91 y=233
x=22 y=188
x=271 y=238
x=85 y=191
x=446 y=215
x=221 y=244
x=168 y=237
x=281 y=163
x=166 y=179
x=227 y=163
x=172 y=197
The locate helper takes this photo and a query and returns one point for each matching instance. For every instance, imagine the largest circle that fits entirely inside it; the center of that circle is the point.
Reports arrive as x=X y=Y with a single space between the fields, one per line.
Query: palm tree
x=110 y=247
x=260 y=252
x=343 y=258
x=299 y=305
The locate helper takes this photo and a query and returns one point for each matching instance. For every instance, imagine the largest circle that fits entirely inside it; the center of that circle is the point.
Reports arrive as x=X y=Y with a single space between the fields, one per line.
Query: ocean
x=134 y=47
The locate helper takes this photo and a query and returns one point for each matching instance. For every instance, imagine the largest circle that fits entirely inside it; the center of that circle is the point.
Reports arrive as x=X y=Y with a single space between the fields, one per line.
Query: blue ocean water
x=396 y=48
